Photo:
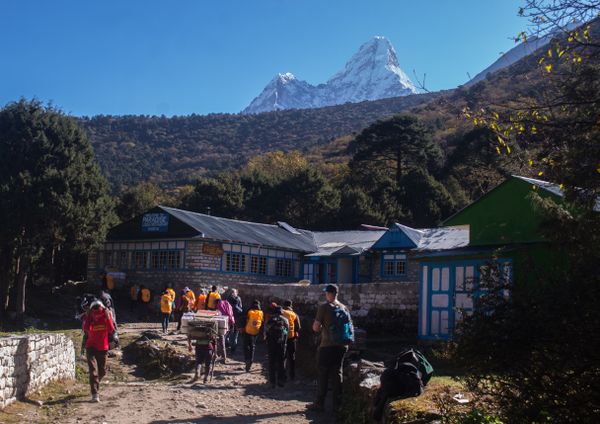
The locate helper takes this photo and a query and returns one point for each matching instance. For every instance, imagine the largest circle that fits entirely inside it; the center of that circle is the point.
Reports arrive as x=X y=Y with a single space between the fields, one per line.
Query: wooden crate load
x=202 y=324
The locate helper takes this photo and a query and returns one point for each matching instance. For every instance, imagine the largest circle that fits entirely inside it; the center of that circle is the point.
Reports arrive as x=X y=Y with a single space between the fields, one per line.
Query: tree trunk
x=22 y=277
x=5 y=271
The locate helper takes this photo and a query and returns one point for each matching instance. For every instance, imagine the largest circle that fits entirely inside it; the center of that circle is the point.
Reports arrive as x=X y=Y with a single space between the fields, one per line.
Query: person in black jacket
x=238 y=313
x=276 y=333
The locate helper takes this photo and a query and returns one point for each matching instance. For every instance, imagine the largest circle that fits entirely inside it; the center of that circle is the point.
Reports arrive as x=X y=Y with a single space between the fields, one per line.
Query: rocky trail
x=233 y=396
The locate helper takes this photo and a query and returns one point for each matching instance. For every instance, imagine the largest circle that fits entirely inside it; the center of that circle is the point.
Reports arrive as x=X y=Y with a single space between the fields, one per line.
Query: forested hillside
x=172 y=151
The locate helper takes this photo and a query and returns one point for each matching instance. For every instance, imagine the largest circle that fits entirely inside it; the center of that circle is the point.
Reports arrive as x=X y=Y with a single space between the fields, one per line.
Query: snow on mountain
x=372 y=73
x=283 y=92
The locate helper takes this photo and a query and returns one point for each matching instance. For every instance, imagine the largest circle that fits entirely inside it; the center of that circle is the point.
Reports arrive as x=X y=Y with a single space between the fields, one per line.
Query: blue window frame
x=283 y=267
x=245 y=259
x=393 y=265
x=258 y=265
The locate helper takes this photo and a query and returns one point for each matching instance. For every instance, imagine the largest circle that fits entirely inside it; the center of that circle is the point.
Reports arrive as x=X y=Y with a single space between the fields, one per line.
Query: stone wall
x=29 y=362
x=376 y=307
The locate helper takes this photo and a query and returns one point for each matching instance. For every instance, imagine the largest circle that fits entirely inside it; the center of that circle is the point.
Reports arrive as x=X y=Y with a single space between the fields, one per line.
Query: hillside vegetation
x=174 y=151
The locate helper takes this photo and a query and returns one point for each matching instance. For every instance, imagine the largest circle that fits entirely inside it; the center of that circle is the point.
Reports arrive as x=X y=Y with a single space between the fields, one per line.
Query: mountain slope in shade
x=373 y=73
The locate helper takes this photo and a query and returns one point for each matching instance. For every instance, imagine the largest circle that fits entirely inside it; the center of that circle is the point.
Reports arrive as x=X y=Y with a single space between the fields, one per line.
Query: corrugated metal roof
x=344 y=242
x=314 y=243
x=552 y=188
x=224 y=229
x=444 y=238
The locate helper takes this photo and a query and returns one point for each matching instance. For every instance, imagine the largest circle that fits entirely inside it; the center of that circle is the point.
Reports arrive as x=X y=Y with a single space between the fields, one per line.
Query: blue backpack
x=341 y=331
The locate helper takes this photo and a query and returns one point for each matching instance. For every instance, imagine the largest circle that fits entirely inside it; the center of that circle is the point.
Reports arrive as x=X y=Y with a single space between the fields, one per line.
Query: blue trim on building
x=451 y=292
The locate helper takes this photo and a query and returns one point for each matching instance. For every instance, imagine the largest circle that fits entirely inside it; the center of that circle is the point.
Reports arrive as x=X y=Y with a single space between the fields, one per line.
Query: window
x=173 y=260
x=122 y=261
x=394 y=265
x=109 y=258
x=140 y=260
x=154 y=260
x=234 y=262
x=165 y=259
x=258 y=265
x=283 y=267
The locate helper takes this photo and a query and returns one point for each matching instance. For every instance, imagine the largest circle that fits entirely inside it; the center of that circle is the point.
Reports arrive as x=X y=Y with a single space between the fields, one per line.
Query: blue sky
x=203 y=56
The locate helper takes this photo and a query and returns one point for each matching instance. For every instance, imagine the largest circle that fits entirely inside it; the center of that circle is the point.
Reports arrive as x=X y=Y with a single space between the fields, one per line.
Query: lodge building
x=436 y=271
x=168 y=245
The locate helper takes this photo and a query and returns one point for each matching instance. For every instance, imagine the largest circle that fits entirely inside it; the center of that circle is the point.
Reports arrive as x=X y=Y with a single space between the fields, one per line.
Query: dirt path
x=233 y=396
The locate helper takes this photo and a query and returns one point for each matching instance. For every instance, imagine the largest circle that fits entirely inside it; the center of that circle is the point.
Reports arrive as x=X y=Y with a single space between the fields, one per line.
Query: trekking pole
x=212 y=366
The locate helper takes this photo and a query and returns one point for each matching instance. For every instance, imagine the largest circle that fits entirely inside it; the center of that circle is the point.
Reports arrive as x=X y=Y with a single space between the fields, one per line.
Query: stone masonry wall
x=375 y=307
x=27 y=363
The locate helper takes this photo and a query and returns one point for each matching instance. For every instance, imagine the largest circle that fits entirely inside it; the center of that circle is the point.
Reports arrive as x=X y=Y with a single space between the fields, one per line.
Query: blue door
x=435 y=314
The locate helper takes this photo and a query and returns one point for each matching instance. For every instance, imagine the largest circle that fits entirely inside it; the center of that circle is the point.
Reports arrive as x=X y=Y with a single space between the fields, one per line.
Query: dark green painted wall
x=503 y=216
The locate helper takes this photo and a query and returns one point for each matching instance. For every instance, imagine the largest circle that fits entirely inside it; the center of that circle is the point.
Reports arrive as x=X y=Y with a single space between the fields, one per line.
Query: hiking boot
x=96 y=398
x=248 y=366
x=315 y=407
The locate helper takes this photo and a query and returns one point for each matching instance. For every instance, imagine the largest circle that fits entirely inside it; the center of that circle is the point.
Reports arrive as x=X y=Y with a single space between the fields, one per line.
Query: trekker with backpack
x=144 y=298
x=211 y=299
x=254 y=321
x=97 y=324
x=105 y=297
x=166 y=307
x=238 y=312
x=224 y=309
x=183 y=306
x=290 y=350
x=276 y=334
x=334 y=323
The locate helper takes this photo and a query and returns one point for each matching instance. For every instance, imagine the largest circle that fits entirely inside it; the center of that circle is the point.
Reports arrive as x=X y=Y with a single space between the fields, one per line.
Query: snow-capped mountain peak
x=372 y=73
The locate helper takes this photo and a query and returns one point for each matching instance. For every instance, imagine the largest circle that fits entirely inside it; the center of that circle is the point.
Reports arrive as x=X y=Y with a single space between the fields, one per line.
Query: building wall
x=412 y=270
x=505 y=215
x=27 y=363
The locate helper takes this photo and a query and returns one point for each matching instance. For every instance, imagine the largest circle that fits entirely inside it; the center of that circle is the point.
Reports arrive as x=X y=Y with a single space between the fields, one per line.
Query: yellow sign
x=212 y=249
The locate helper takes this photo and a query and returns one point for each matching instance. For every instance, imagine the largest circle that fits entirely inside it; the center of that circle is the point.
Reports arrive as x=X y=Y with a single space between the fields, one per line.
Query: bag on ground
x=416 y=358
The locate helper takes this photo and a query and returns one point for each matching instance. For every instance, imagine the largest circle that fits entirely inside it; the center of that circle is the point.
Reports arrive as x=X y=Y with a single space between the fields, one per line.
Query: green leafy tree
x=306 y=200
x=534 y=352
x=398 y=144
x=53 y=197
x=222 y=196
x=138 y=199
x=428 y=200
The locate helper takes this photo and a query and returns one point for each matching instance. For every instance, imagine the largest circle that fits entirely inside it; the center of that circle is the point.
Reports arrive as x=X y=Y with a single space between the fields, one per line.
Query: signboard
x=155 y=223
x=212 y=249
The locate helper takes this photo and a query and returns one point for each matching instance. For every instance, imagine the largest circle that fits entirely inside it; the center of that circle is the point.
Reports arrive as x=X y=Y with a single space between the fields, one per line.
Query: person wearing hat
x=276 y=334
x=330 y=355
x=97 y=324
x=254 y=322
